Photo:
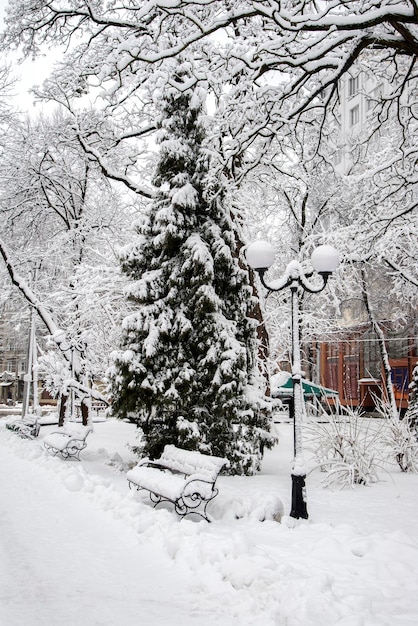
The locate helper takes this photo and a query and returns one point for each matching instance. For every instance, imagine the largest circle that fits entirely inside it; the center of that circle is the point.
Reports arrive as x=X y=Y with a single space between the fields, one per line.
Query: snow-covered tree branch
x=66 y=348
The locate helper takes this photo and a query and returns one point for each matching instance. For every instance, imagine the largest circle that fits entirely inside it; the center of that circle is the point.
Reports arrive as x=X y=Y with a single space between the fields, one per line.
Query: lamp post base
x=299 y=509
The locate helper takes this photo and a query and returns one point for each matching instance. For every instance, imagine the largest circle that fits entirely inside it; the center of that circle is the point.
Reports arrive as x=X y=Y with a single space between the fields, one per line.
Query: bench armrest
x=199 y=484
x=147 y=462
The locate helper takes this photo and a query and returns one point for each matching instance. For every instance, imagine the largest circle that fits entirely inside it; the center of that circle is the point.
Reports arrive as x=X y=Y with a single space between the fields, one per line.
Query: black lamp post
x=324 y=260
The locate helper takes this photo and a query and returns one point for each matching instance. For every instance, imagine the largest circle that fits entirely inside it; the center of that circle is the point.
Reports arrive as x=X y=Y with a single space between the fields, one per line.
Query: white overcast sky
x=29 y=73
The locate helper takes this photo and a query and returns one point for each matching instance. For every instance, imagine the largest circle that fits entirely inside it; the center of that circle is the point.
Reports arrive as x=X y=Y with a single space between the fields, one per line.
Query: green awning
x=310 y=389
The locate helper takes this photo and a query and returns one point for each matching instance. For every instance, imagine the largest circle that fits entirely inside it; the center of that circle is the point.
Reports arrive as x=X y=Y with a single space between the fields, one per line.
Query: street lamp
x=324 y=260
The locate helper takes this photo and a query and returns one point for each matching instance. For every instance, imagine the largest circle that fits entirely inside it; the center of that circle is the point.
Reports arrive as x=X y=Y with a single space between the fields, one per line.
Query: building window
x=400 y=377
x=374 y=97
x=372 y=360
x=353 y=86
x=354 y=115
x=337 y=158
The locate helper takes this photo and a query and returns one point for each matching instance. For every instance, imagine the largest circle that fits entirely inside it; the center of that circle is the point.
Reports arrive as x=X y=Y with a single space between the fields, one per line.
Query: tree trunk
x=62 y=409
x=387 y=370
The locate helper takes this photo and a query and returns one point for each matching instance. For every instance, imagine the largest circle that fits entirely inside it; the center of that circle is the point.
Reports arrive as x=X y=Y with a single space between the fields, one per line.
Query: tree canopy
x=276 y=75
x=187 y=371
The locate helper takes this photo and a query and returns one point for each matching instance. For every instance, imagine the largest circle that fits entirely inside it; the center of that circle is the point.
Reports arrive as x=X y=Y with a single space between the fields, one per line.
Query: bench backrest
x=77 y=430
x=190 y=462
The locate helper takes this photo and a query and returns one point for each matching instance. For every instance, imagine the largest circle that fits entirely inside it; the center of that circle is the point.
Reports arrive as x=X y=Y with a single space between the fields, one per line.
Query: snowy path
x=77 y=547
x=64 y=562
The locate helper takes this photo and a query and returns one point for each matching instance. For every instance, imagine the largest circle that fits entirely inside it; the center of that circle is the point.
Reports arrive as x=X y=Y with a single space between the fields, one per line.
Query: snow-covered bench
x=186 y=479
x=27 y=426
x=69 y=441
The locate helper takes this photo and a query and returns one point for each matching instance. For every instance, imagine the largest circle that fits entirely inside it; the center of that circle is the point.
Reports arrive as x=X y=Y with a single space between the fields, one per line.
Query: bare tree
x=60 y=214
x=295 y=52
x=272 y=68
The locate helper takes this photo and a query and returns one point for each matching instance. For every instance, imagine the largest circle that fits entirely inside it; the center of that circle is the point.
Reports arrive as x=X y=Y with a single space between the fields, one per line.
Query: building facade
x=352 y=365
x=351 y=362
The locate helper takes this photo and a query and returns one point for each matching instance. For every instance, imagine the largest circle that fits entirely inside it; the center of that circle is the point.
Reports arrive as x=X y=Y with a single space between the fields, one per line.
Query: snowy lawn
x=78 y=547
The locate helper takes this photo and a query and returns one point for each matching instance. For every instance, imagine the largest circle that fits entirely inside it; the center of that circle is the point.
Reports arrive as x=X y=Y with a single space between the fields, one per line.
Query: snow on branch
x=312 y=44
x=402 y=272
x=26 y=291
x=58 y=335
x=109 y=172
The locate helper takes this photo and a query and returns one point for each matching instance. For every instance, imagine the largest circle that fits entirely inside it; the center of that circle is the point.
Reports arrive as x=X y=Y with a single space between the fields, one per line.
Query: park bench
x=69 y=441
x=184 y=478
x=98 y=407
x=27 y=426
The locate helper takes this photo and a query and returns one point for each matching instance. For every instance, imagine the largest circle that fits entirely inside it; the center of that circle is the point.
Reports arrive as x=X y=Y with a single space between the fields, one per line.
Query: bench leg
x=51 y=450
x=181 y=508
x=198 y=507
x=72 y=452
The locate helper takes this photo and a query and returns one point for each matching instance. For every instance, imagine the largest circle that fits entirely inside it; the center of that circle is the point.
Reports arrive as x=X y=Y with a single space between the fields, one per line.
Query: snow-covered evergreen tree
x=187 y=371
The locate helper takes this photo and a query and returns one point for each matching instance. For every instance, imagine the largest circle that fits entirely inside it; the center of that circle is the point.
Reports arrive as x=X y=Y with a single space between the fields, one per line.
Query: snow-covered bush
x=346 y=447
x=399 y=438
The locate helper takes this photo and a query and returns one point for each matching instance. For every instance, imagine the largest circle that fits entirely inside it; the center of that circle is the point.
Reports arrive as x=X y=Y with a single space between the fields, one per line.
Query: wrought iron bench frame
x=185 y=479
x=27 y=426
x=68 y=442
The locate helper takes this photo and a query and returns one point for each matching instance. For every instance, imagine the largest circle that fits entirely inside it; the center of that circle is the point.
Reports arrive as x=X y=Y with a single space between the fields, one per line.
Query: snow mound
x=73 y=481
x=260 y=507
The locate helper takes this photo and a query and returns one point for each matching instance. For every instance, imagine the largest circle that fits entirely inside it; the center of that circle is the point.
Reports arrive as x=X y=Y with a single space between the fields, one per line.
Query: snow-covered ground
x=78 y=547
